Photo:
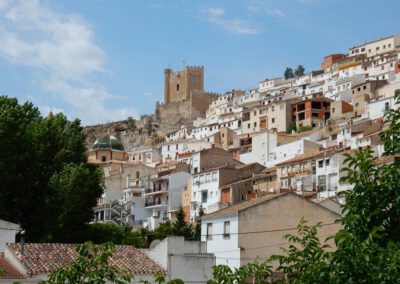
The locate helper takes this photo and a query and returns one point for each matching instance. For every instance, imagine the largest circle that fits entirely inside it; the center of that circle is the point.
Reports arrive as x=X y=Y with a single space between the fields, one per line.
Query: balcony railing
x=151 y=190
x=153 y=203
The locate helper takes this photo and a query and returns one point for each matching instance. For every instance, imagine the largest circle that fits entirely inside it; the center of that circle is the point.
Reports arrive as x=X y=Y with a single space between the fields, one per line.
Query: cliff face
x=131 y=133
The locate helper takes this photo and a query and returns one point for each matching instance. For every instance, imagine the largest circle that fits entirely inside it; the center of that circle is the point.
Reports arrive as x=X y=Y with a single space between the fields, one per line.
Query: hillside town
x=246 y=165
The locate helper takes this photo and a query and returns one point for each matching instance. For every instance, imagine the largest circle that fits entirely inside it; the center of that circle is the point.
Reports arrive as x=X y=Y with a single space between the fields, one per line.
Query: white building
x=290 y=150
x=261 y=146
x=147 y=155
x=220 y=232
x=164 y=197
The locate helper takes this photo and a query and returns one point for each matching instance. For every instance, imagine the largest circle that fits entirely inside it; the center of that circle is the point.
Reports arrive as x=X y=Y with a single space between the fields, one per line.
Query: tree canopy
x=46 y=184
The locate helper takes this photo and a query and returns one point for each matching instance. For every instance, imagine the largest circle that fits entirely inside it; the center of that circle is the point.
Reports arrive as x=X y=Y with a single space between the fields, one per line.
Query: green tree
x=299 y=71
x=292 y=126
x=306 y=258
x=75 y=188
x=256 y=272
x=288 y=73
x=101 y=233
x=180 y=227
x=35 y=149
x=160 y=279
x=91 y=266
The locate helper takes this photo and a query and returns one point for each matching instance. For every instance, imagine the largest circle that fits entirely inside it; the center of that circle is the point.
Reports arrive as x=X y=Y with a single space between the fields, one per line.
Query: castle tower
x=178 y=85
x=167 y=76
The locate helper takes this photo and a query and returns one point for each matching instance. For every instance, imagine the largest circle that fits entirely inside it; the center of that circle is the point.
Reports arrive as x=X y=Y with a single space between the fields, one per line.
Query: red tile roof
x=8 y=271
x=43 y=258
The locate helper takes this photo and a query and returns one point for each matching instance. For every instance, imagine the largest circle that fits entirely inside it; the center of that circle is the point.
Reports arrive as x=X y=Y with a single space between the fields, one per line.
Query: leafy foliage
x=36 y=152
x=288 y=73
x=100 y=233
x=180 y=227
x=91 y=266
x=292 y=126
x=160 y=279
x=255 y=272
x=304 y=128
x=299 y=71
x=305 y=258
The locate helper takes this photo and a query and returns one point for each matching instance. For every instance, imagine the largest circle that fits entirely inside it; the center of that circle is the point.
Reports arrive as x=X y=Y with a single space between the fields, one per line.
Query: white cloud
x=235 y=26
x=62 y=46
x=262 y=6
x=276 y=12
x=89 y=101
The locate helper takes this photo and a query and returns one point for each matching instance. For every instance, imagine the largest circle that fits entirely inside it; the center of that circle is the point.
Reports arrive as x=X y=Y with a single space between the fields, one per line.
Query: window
x=320 y=164
x=227 y=229
x=176 y=147
x=327 y=161
x=387 y=106
x=209 y=231
x=273 y=120
x=204 y=196
x=333 y=110
x=248 y=125
x=137 y=174
x=177 y=87
x=103 y=158
x=255 y=124
x=364 y=87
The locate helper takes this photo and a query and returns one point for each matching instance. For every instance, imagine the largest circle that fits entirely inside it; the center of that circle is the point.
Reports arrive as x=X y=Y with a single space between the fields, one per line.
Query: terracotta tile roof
x=43 y=258
x=304 y=157
x=8 y=271
x=234 y=209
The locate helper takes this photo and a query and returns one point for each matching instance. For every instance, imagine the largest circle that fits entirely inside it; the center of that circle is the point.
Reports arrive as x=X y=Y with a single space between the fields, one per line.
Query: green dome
x=107 y=142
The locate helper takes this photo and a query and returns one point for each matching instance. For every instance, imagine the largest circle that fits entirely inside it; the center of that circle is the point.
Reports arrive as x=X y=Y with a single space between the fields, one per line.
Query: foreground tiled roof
x=45 y=258
x=8 y=271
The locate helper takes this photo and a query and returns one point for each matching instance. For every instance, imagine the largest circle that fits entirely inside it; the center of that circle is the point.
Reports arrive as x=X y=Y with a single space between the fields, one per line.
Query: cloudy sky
x=103 y=60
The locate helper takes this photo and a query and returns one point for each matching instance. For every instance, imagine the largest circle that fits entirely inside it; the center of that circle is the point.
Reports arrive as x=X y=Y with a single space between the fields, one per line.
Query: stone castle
x=184 y=98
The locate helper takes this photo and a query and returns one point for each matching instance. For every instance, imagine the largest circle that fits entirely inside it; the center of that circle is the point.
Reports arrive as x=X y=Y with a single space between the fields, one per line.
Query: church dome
x=107 y=142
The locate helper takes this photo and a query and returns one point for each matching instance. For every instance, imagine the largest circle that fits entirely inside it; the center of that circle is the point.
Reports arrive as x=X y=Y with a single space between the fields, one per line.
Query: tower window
x=177 y=87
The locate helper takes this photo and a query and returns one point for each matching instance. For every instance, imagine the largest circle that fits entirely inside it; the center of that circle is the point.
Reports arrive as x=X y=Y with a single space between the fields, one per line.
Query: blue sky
x=103 y=60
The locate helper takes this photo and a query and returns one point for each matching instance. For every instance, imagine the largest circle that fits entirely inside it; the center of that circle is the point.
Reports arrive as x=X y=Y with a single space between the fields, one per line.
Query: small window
x=227 y=229
x=273 y=120
x=209 y=231
x=320 y=164
x=364 y=87
x=333 y=110
x=248 y=125
x=177 y=87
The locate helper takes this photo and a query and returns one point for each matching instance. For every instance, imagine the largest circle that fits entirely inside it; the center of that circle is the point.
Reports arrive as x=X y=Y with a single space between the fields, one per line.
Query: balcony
x=154 y=203
x=154 y=191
